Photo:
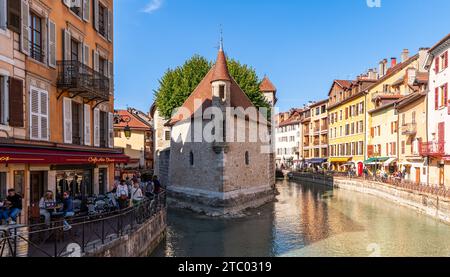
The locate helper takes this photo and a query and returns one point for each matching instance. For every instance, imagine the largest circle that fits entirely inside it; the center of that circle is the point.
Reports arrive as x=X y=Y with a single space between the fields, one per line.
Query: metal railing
x=87 y=233
x=409 y=129
x=436 y=190
x=432 y=148
x=78 y=77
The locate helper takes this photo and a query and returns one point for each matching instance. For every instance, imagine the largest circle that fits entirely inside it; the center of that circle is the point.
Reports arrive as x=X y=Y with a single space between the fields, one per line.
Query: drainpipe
x=426 y=136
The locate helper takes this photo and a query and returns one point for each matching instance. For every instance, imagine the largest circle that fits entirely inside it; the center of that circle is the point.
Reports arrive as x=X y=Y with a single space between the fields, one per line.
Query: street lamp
x=125 y=119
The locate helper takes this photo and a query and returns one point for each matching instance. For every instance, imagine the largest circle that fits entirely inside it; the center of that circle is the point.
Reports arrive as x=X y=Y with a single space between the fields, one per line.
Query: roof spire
x=221 y=38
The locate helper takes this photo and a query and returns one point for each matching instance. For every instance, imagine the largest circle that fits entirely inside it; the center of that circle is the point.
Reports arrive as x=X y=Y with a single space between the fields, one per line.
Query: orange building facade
x=57 y=105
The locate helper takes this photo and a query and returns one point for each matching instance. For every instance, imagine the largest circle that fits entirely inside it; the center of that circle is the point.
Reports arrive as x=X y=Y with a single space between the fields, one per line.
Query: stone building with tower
x=216 y=173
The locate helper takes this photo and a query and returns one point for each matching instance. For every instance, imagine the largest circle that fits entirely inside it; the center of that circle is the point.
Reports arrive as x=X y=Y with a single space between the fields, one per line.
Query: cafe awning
x=35 y=155
x=316 y=161
x=339 y=160
x=374 y=161
x=390 y=161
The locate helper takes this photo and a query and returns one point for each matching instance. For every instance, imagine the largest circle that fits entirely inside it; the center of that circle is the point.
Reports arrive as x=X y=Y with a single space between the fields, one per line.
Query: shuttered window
x=96 y=127
x=67 y=119
x=16 y=112
x=110 y=130
x=39 y=119
x=25 y=34
x=3 y=100
x=87 y=125
x=86 y=10
x=51 y=44
x=14 y=16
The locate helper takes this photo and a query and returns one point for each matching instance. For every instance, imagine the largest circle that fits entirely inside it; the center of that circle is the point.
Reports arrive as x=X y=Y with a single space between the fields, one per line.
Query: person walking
x=136 y=194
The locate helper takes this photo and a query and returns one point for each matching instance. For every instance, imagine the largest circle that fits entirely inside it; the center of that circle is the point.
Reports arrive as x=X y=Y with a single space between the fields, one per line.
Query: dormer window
x=222 y=92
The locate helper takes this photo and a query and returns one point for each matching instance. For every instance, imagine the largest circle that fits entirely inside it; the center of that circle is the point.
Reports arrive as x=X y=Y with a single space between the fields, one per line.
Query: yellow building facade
x=346 y=113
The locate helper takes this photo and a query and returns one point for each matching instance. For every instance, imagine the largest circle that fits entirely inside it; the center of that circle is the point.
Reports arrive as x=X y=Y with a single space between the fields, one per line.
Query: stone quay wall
x=428 y=204
x=140 y=243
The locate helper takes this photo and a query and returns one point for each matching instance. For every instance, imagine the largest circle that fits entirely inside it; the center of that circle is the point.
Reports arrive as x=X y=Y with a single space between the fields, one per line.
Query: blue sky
x=301 y=45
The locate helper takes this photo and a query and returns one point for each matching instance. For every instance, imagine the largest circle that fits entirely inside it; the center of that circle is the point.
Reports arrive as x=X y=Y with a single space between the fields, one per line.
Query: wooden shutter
x=67 y=114
x=87 y=125
x=96 y=127
x=436 y=99
x=25 y=35
x=111 y=130
x=67 y=3
x=96 y=10
x=441 y=132
x=14 y=16
x=96 y=60
x=446 y=59
x=34 y=114
x=39 y=116
x=86 y=54
x=67 y=41
x=16 y=111
x=44 y=127
x=372 y=132
x=370 y=151
x=3 y=16
x=110 y=25
x=346 y=113
x=86 y=10
x=445 y=95
x=111 y=76
x=436 y=65
x=51 y=44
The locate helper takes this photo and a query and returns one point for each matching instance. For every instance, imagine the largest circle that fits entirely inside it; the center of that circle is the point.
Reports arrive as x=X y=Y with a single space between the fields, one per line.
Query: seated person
x=47 y=205
x=12 y=206
x=67 y=210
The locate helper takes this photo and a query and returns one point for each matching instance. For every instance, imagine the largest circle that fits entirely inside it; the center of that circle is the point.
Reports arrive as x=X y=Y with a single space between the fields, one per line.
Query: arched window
x=247 y=159
x=191 y=158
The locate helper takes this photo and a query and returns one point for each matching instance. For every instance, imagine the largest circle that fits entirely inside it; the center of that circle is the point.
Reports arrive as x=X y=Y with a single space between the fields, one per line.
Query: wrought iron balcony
x=432 y=149
x=82 y=80
x=409 y=129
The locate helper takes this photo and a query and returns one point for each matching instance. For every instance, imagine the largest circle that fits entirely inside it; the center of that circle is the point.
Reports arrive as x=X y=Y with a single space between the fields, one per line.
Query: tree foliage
x=177 y=84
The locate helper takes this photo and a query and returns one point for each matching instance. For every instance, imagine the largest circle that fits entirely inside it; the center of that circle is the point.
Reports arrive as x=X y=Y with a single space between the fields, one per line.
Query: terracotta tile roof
x=135 y=123
x=346 y=84
x=439 y=43
x=266 y=85
x=220 y=72
x=203 y=92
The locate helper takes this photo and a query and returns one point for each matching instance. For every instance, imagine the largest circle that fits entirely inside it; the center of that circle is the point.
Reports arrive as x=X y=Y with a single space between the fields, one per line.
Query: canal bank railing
x=328 y=176
x=86 y=235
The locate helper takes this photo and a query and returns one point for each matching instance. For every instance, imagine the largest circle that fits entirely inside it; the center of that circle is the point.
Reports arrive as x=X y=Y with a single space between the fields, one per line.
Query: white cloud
x=153 y=6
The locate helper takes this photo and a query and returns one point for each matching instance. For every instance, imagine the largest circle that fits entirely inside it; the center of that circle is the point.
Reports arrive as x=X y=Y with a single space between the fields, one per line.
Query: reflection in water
x=309 y=220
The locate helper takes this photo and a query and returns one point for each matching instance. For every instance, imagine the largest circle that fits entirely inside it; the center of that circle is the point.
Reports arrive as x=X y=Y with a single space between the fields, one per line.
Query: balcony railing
x=82 y=80
x=409 y=129
x=432 y=149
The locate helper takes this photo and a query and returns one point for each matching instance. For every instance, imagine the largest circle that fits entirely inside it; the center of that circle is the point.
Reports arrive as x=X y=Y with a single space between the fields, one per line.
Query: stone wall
x=164 y=166
x=140 y=243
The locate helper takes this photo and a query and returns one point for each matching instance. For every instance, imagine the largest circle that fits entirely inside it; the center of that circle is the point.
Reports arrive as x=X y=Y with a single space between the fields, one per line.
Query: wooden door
x=417 y=175
x=441 y=176
x=36 y=186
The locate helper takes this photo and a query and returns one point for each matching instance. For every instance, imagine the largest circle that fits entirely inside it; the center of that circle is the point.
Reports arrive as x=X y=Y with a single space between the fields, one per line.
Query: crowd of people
x=128 y=193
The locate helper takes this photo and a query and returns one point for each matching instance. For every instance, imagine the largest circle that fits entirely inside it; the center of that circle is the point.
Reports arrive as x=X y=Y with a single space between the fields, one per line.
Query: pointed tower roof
x=221 y=72
x=267 y=86
x=203 y=92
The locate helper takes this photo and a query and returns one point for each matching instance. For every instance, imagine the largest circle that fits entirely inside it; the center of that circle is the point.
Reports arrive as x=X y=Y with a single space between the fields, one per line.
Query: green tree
x=177 y=84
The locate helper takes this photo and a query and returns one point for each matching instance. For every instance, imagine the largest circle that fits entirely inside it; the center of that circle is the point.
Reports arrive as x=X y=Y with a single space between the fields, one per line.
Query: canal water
x=309 y=220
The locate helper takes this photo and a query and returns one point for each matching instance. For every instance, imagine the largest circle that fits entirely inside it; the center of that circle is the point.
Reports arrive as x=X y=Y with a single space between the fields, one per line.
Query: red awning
x=49 y=156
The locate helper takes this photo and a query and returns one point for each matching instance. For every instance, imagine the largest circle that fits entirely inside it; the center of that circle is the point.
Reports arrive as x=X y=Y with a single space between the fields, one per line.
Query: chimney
x=405 y=55
x=423 y=54
x=393 y=62
x=411 y=76
x=381 y=68
x=372 y=74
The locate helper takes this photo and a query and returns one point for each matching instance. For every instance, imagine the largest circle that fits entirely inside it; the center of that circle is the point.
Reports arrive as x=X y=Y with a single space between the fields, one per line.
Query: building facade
x=161 y=143
x=57 y=98
x=437 y=149
x=346 y=112
x=395 y=82
x=269 y=91
x=318 y=134
x=139 y=145
x=287 y=140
